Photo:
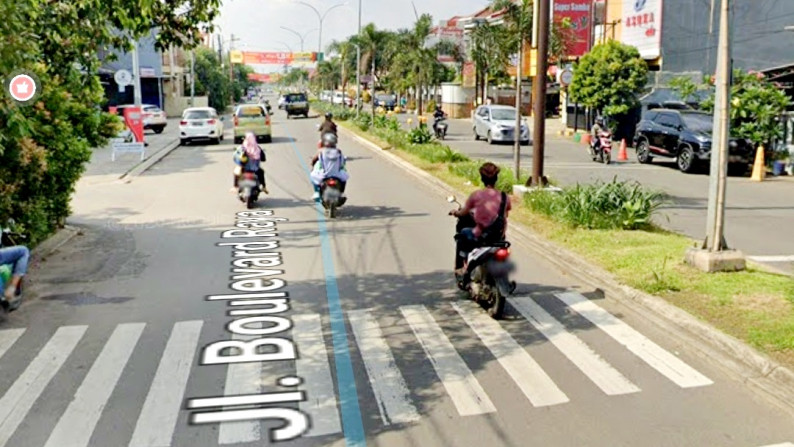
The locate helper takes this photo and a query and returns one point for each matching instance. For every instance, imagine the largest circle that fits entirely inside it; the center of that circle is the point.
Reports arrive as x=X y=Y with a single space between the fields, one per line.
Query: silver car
x=497 y=124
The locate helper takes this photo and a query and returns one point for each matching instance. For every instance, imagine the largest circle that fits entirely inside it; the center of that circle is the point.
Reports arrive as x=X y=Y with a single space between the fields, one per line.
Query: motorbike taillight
x=250 y=175
x=331 y=182
x=502 y=254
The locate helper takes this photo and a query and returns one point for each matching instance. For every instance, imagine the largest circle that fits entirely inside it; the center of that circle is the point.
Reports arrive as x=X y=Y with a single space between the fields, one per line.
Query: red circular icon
x=22 y=87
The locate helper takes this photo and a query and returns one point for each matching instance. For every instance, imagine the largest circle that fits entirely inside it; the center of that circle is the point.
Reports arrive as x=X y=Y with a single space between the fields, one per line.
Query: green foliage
x=341 y=113
x=470 y=170
x=684 y=86
x=431 y=106
x=608 y=78
x=44 y=147
x=211 y=79
x=756 y=106
x=613 y=205
x=364 y=121
x=420 y=135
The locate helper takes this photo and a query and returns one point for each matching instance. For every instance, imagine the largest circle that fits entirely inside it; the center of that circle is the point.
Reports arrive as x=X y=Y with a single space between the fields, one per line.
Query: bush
x=470 y=170
x=364 y=121
x=420 y=135
x=431 y=106
x=611 y=205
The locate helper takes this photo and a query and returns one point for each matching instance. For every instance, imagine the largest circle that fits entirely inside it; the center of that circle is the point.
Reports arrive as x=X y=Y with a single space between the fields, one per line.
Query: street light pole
x=358 y=64
x=302 y=37
x=321 y=18
x=192 y=79
x=136 y=69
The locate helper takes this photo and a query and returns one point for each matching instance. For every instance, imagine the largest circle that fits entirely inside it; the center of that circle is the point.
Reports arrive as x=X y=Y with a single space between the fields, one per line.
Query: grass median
x=610 y=225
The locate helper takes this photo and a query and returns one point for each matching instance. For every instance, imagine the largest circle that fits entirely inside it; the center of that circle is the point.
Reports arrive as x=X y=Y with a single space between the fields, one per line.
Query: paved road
x=759 y=216
x=126 y=320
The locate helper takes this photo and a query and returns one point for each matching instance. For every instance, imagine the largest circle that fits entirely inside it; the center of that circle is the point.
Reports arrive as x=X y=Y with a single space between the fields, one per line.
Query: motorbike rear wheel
x=606 y=157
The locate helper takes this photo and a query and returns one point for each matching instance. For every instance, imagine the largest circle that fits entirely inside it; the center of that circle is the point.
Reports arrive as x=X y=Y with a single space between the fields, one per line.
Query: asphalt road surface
x=120 y=342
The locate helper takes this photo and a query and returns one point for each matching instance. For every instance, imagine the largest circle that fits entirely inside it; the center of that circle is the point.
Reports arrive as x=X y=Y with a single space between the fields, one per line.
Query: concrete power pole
x=136 y=70
x=517 y=131
x=358 y=65
x=539 y=137
x=715 y=255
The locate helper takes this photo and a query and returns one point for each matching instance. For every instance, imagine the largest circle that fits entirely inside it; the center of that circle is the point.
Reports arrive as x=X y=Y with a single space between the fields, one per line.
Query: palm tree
x=371 y=41
x=345 y=49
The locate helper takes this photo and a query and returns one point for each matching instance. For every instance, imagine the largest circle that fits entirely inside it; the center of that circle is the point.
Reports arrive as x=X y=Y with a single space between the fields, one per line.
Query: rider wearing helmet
x=438 y=115
x=328 y=126
x=327 y=163
x=597 y=128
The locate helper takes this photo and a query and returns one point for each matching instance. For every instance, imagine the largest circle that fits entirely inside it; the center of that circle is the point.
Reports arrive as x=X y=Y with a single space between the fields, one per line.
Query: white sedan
x=200 y=123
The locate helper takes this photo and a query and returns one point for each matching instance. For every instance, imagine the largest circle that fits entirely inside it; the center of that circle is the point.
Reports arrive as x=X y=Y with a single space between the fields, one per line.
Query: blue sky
x=257 y=23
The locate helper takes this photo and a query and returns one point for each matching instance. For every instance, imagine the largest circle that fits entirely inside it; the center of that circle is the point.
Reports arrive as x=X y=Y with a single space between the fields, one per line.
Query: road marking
x=78 y=422
x=345 y=379
x=784 y=258
x=580 y=354
x=525 y=371
x=312 y=365
x=785 y=444
x=387 y=382
x=655 y=356
x=7 y=339
x=461 y=385
x=157 y=421
x=242 y=378
x=18 y=400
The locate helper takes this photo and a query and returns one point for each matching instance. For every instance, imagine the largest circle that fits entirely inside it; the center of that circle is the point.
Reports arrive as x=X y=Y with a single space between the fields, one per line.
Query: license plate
x=247 y=183
x=196 y=123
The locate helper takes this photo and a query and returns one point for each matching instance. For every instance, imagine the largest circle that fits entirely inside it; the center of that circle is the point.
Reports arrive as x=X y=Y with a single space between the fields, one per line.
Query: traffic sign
x=566 y=77
x=123 y=78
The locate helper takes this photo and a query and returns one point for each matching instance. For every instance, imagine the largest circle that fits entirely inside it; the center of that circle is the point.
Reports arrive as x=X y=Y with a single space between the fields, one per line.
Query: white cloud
x=257 y=23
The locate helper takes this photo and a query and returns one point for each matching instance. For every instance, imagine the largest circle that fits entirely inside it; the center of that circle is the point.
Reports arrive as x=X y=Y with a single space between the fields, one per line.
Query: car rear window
x=151 y=109
x=198 y=115
x=297 y=97
x=250 y=111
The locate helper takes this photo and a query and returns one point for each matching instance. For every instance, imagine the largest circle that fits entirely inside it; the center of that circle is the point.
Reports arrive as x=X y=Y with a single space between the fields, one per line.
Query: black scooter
x=331 y=196
x=441 y=128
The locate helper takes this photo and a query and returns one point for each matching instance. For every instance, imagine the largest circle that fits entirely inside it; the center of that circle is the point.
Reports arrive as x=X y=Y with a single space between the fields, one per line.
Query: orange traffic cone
x=623 y=154
x=759 y=167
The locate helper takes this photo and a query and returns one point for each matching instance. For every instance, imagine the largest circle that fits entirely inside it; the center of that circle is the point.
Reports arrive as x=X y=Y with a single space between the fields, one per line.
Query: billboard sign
x=642 y=26
x=579 y=12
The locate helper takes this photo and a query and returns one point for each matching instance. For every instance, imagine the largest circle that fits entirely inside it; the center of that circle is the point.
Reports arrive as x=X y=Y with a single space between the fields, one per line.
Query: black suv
x=686 y=136
x=296 y=104
x=386 y=101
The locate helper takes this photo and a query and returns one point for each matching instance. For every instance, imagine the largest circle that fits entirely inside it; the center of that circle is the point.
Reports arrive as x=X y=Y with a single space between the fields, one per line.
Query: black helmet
x=600 y=120
x=329 y=140
x=329 y=115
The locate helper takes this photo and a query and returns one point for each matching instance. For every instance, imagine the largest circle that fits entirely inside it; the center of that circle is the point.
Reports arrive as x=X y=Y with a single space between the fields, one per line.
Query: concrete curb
x=53 y=243
x=150 y=161
x=752 y=367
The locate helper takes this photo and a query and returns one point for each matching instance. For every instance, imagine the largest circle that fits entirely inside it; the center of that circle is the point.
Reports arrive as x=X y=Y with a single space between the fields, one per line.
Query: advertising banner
x=579 y=12
x=133 y=118
x=275 y=58
x=642 y=27
x=260 y=77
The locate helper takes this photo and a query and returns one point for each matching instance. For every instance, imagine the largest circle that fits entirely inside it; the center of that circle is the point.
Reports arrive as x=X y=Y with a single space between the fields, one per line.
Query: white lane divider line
x=522 y=368
x=463 y=388
x=7 y=339
x=654 y=355
x=312 y=365
x=18 y=400
x=785 y=444
x=242 y=378
x=387 y=382
x=782 y=258
x=157 y=420
x=610 y=380
x=78 y=422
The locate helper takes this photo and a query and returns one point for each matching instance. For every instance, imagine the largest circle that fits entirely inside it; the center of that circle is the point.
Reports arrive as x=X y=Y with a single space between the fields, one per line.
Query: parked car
x=153 y=118
x=326 y=95
x=296 y=104
x=342 y=99
x=200 y=123
x=388 y=102
x=252 y=118
x=686 y=136
x=281 y=101
x=497 y=123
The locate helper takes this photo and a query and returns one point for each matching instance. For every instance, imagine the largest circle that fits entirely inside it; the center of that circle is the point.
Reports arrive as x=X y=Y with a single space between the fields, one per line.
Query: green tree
x=756 y=107
x=44 y=147
x=684 y=86
x=608 y=78
x=211 y=80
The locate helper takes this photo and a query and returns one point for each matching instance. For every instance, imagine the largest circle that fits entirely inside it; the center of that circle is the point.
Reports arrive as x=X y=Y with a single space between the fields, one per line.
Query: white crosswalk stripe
x=313 y=367
x=386 y=380
x=594 y=367
x=18 y=400
x=157 y=420
x=463 y=388
x=523 y=369
x=78 y=422
x=655 y=356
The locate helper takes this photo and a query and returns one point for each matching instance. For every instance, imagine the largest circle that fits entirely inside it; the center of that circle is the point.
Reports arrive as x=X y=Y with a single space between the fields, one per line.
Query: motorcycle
x=331 y=195
x=488 y=268
x=441 y=128
x=247 y=187
x=602 y=153
x=9 y=238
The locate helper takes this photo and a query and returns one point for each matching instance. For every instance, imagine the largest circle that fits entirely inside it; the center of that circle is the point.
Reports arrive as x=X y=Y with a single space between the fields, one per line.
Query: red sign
x=579 y=12
x=260 y=77
x=22 y=87
x=274 y=58
x=133 y=118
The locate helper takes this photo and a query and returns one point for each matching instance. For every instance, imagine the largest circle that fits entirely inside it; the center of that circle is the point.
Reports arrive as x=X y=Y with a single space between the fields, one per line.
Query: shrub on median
x=470 y=170
x=617 y=204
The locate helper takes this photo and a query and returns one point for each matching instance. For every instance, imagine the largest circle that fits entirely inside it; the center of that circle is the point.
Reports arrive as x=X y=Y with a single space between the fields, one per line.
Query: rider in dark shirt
x=328 y=126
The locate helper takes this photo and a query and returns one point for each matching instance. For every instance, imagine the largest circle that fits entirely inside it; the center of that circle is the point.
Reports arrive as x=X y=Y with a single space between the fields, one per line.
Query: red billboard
x=579 y=12
x=260 y=77
x=276 y=58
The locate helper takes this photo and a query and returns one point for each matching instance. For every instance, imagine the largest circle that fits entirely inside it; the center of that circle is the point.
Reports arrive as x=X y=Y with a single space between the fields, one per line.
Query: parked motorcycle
x=331 y=196
x=603 y=151
x=441 y=128
x=9 y=238
x=247 y=187
x=488 y=268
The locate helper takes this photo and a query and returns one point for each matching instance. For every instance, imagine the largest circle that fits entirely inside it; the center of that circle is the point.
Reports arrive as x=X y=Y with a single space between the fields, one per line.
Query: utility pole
x=231 y=69
x=192 y=79
x=517 y=131
x=358 y=66
x=715 y=255
x=136 y=69
x=539 y=138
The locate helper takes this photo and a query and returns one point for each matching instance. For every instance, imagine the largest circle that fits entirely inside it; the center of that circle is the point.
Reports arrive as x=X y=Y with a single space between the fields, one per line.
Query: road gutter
x=741 y=360
x=149 y=161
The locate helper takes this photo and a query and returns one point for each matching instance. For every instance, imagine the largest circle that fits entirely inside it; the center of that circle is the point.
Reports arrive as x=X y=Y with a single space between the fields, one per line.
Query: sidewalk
x=101 y=169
